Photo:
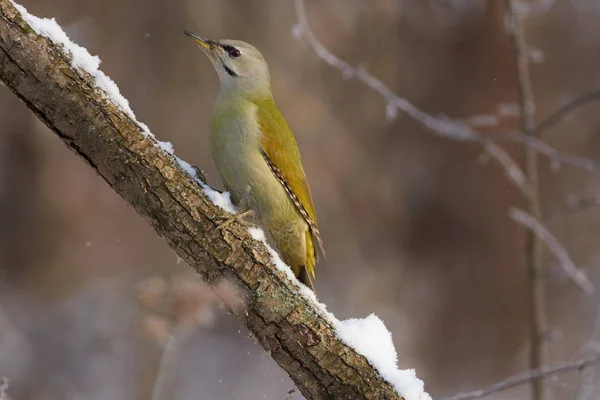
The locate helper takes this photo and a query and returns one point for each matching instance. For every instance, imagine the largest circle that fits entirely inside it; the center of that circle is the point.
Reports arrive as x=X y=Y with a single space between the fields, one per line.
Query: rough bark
x=287 y=326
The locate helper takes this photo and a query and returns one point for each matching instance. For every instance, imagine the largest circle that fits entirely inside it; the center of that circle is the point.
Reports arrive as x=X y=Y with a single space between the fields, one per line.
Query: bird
x=256 y=155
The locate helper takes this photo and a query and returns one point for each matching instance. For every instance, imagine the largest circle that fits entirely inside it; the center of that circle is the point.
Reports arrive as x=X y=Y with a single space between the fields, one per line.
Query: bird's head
x=241 y=67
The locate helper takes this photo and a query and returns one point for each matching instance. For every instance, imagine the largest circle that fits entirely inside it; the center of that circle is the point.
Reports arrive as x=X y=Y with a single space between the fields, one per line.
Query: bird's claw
x=237 y=218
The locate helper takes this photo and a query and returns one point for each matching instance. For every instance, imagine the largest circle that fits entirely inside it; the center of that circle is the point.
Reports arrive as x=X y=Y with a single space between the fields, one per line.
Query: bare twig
x=463 y=131
x=442 y=126
x=574 y=204
x=171 y=353
x=566 y=110
x=587 y=378
x=555 y=248
x=577 y=204
x=526 y=377
x=537 y=7
x=176 y=309
x=556 y=157
x=539 y=326
x=503 y=110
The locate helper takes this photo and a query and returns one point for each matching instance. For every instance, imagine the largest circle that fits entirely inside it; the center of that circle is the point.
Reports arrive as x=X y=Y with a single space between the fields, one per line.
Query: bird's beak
x=206 y=45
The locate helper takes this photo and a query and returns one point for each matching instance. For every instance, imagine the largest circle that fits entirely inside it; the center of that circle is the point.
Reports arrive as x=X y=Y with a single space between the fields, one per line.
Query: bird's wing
x=282 y=154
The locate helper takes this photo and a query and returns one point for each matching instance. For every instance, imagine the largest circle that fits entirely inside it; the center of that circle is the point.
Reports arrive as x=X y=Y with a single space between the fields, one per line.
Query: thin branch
x=578 y=204
x=170 y=355
x=526 y=8
x=460 y=130
x=534 y=225
x=563 y=112
x=448 y=128
x=538 y=351
x=556 y=157
x=526 y=377
x=586 y=384
x=574 y=204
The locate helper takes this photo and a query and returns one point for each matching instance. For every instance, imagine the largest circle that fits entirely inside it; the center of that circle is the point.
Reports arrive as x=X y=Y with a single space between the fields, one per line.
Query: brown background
x=415 y=226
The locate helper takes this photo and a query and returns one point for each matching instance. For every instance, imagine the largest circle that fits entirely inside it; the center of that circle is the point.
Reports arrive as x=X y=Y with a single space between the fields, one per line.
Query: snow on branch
x=61 y=83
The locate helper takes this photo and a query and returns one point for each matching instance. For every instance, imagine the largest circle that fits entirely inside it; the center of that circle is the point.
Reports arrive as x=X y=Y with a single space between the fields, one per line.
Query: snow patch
x=220 y=199
x=370 y=337
x=81 y=59
x=167 y=146
x=259 y=234
x=367 y=336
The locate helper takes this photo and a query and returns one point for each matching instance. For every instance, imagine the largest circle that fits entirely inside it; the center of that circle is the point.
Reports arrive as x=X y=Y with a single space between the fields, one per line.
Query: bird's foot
x=237 y=218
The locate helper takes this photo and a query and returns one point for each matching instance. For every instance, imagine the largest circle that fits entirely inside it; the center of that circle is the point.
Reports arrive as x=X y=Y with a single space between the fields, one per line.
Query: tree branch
x=289 y=325
x=526 y=377
x=564 y=111
x=537 y=228
x=538 y=351
x=440 y=126
x=453 y=129
x=587 y=377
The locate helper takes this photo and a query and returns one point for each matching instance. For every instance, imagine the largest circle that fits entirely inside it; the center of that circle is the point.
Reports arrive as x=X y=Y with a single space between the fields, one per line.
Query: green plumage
x=258 y=160
x=281 y=150
x=279 y=145
x=256 y=155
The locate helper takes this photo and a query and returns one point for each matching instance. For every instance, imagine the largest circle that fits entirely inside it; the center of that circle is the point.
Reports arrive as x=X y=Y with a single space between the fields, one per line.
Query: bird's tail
x=307 y=272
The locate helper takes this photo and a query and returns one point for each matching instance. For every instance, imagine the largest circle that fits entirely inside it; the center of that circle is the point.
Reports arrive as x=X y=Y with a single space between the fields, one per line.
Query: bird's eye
x=234 y=53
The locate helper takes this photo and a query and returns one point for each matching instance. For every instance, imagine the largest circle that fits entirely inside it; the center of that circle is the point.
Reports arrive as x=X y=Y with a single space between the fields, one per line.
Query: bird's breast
x=241 y=166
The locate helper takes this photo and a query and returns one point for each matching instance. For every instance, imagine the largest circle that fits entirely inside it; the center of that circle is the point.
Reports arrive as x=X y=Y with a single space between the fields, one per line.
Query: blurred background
x=415 y=226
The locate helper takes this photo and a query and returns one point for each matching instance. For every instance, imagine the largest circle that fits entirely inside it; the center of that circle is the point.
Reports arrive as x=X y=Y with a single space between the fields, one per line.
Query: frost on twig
x=578 y=277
